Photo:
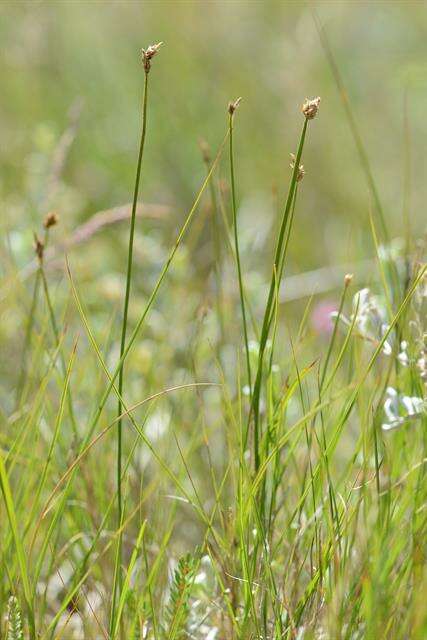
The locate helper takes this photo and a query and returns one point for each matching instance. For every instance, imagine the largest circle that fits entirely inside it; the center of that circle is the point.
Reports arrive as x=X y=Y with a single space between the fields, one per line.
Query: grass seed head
x=51 y=220
x=148 y=54
x=232 y=106
x=310 y=107
x=347 y=279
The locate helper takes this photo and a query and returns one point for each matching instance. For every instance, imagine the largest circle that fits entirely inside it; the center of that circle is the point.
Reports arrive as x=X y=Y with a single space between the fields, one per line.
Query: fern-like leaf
x=177 y=610
x=14 y=621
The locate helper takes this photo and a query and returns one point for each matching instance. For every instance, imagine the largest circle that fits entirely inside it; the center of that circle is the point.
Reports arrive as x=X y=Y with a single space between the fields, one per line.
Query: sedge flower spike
x=148 y=54
x=51 y=220
x=301 y=170
x=311 y=107
x=232 y=106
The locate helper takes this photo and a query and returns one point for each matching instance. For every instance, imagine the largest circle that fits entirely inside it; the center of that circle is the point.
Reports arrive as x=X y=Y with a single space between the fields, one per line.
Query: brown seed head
x=310 y=108
x=38 y=247
x=51 y=220
x=301 y=170
x=347 y=279
x=148 y=54
x=232 y=106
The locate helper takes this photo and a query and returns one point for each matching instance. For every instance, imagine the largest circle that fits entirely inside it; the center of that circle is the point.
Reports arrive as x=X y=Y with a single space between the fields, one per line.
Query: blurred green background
x=85 y=57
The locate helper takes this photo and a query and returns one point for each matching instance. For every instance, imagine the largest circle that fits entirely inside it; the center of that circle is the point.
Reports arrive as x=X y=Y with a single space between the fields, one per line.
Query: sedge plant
x=147 y=56
x=299 y=514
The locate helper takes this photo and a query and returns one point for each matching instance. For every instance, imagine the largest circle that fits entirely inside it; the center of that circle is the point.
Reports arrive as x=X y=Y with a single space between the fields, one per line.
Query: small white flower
x=403 y=355
x=399 y=409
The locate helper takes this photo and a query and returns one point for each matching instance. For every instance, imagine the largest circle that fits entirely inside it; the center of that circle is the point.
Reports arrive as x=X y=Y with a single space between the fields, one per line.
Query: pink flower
x=321 y=320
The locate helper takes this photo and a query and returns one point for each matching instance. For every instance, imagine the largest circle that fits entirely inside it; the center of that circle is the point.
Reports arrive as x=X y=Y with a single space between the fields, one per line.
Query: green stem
x=29 y=329
x=236 y=244
x=118 y=579
x=41 y=276
x=274 y=286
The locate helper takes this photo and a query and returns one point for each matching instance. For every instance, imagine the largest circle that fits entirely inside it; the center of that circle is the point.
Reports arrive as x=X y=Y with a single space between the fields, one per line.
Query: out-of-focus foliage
x=267 y=52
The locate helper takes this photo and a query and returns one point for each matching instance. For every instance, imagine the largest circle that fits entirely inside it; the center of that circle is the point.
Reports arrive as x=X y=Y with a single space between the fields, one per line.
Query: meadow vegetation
x=213 y=410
